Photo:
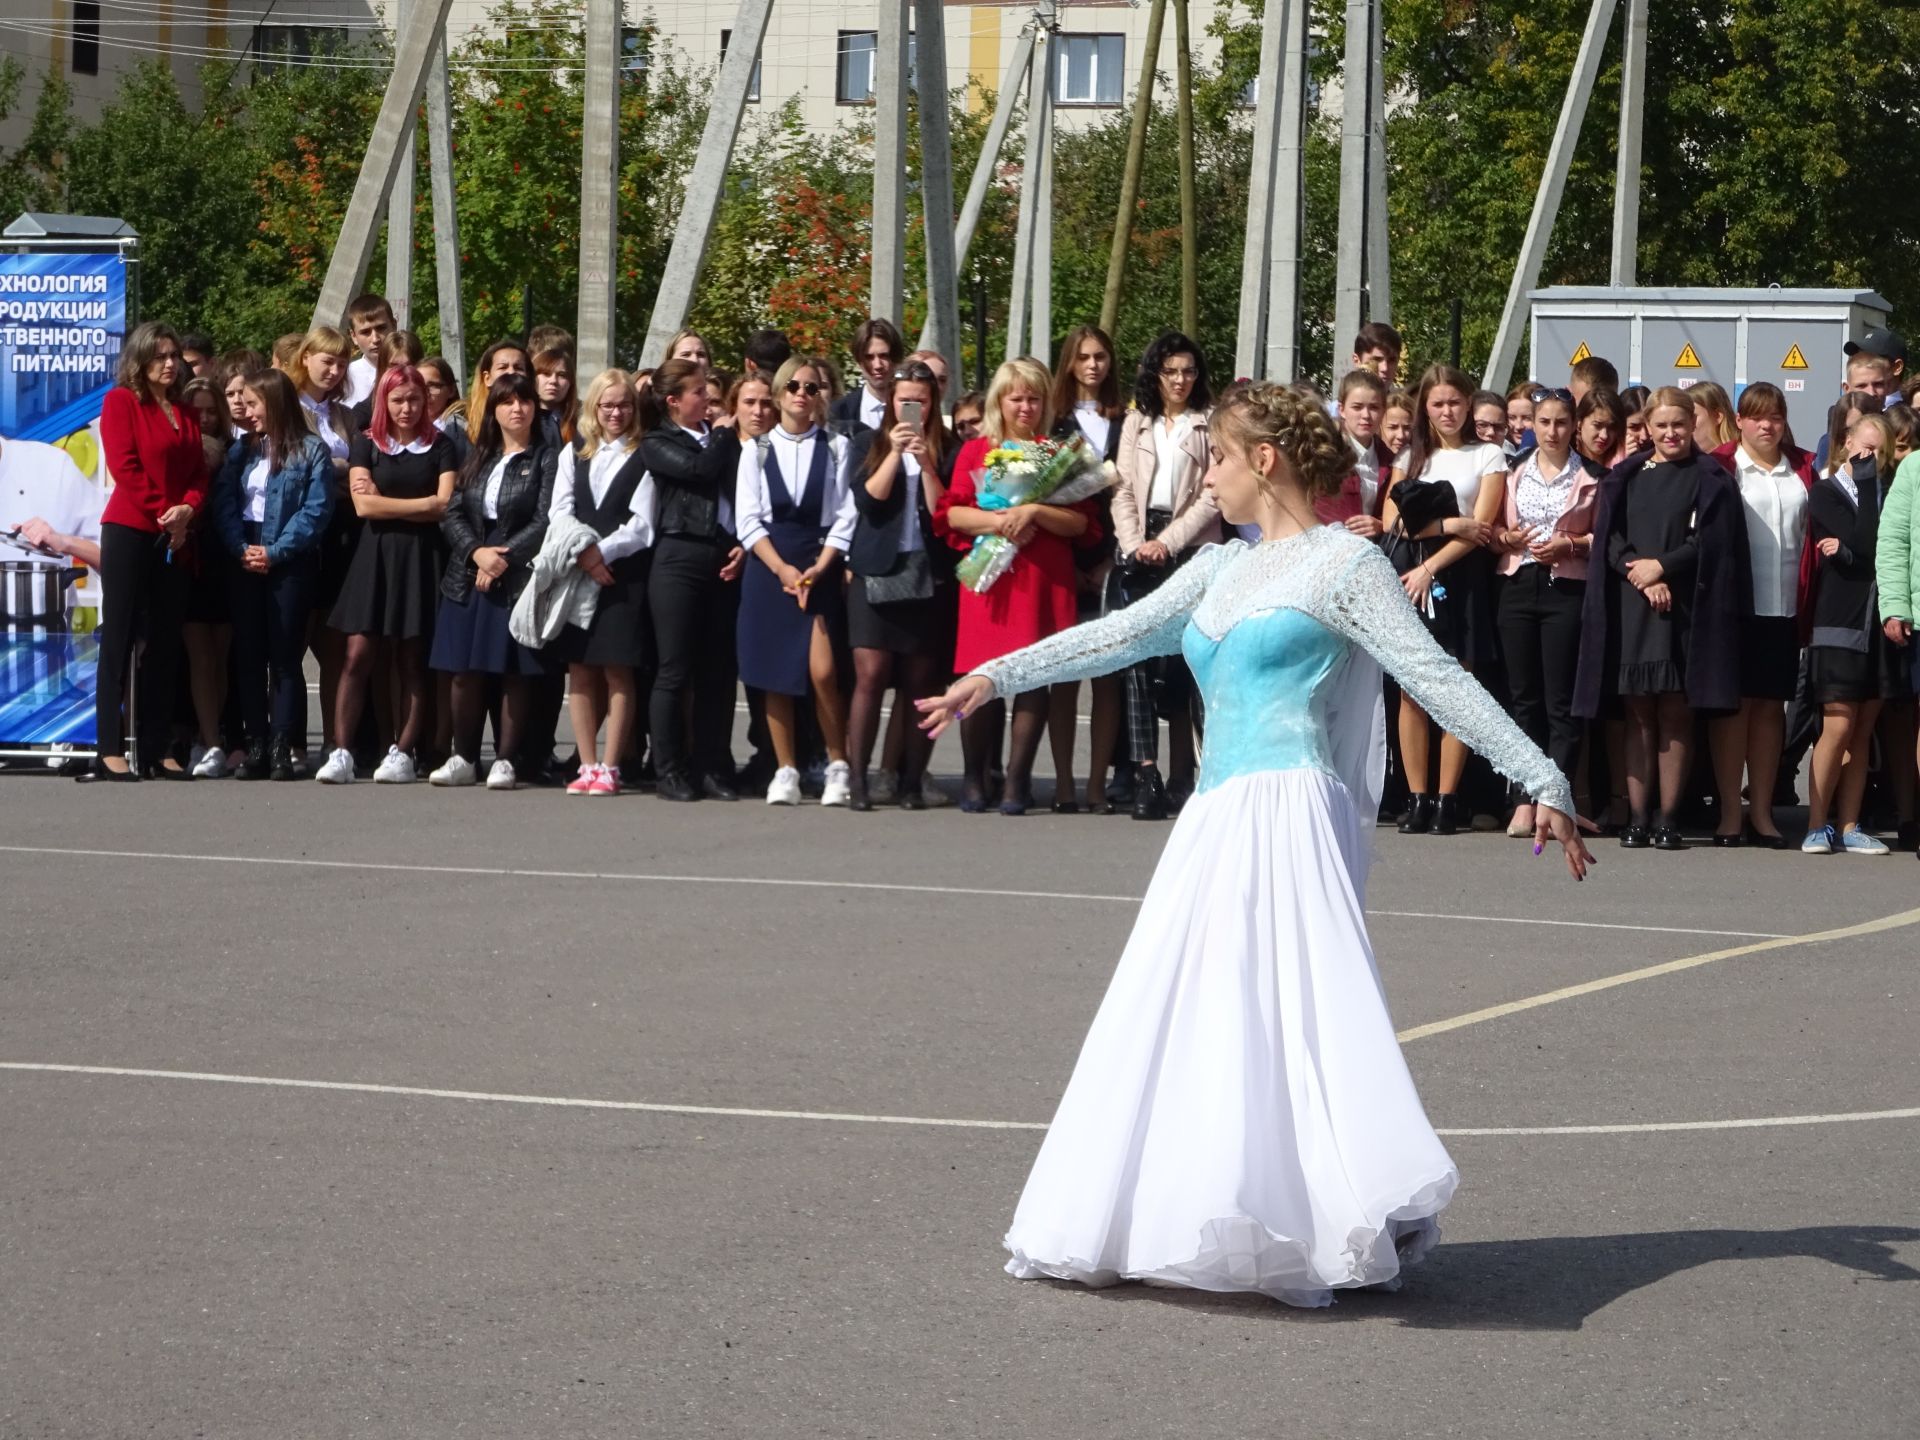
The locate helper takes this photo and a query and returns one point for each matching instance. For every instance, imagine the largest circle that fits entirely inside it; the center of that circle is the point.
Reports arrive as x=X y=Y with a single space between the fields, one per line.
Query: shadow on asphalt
x=1554 y=1282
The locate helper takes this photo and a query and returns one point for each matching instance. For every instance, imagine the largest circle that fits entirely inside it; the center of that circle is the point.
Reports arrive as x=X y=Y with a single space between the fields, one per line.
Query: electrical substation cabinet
x=1654 y=337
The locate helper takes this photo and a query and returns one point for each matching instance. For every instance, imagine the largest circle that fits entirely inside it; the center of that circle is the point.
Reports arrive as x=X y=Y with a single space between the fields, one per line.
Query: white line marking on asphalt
x=569 y=1102
x=503 y=872
x=1668 y=967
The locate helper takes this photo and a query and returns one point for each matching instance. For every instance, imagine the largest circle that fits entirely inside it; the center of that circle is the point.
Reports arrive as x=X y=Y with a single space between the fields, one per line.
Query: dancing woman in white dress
x=1241 y=1117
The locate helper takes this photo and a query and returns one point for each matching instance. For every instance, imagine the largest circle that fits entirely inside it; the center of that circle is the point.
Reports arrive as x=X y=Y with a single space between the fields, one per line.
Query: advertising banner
x=63 y=318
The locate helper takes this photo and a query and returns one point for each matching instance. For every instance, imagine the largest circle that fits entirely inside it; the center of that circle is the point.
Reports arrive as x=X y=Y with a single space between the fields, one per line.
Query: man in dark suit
x=877 y=347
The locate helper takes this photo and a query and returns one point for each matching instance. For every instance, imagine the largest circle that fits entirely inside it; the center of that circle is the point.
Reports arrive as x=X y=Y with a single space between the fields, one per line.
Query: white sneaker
x=396 y=769
x=338 y=770
x=501 y=777
x=837 y=788
x=212 y=765
x=457 y=771
x=785 y=789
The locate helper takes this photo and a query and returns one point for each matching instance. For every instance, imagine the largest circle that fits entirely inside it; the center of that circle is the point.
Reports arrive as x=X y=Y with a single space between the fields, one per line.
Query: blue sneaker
x=1818 y=842
x=1856 y=841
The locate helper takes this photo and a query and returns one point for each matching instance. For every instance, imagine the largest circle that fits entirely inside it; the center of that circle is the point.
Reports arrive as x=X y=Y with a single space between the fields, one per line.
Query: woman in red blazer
x=152 y=446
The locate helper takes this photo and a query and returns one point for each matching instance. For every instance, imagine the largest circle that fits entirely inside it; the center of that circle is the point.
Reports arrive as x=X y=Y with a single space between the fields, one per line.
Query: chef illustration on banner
x=62 y=320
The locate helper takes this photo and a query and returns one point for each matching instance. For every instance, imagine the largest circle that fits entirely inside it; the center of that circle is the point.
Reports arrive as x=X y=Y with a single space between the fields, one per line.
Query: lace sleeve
x=1368 y=606
x=1113 y=642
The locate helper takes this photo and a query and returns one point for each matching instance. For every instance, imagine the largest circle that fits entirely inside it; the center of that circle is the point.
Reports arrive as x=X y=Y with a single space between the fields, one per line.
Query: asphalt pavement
x=801 y=1241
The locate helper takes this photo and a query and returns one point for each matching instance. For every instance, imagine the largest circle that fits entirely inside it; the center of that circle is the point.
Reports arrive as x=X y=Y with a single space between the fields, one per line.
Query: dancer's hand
x=1552 y=824
x=967 y=695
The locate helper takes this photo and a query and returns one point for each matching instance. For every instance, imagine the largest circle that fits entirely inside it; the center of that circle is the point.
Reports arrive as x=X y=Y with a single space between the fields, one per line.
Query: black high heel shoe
x=98 y=774
x=1419 y=817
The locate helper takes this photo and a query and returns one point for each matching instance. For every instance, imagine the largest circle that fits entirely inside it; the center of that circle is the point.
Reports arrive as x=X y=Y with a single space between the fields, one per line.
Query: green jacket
x=1897 y=550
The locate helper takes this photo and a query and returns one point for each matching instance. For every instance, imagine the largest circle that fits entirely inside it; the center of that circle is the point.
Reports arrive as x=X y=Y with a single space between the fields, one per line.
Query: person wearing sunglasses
x=1162 y=514
x=796 y=519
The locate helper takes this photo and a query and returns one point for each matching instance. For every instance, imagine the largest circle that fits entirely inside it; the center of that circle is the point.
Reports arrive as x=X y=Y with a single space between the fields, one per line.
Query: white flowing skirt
x=1241 y=1117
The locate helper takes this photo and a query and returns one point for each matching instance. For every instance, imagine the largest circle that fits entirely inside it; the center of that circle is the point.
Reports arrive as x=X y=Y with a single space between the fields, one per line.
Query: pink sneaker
x=583 y=783
x=606 y=780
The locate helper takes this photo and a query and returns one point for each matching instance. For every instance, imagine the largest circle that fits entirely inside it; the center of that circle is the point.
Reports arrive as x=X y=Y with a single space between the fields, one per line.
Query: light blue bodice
x=1264 y=684
x=1266 y=629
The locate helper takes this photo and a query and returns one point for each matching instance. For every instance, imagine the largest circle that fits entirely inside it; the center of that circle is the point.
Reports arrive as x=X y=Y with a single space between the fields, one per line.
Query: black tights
x=470 y=713
x=913 y=677
x=980 y=738
x=410 y=659
x=1659 y=746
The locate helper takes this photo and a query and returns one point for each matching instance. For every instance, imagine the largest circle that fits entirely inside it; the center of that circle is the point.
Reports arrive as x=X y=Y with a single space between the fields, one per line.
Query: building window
x=856 y=69
x=275 y=46
x=86 y=37
x=753 y=81
x=853 y=71
x=636 y=52
x=1090 y=69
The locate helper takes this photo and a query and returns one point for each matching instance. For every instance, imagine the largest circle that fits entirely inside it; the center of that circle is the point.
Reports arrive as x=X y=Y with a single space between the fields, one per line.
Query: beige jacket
x=1196 y=515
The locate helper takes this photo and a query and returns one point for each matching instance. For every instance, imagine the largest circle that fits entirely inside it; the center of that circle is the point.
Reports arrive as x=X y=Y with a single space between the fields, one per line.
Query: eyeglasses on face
x=811 y=387
x=1179 y=372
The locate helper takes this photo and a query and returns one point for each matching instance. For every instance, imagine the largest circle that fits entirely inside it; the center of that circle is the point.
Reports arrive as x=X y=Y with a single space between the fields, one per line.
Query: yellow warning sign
x=1688 y=360
x=1583 y=353
x=1795 y=360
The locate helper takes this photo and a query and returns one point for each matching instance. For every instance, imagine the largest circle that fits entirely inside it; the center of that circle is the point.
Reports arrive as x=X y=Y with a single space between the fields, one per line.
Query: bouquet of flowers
x=1028 y=472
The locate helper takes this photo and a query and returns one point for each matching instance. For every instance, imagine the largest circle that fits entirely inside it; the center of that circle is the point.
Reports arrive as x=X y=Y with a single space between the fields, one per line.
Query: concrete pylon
x=599 y=190
x=413 y=52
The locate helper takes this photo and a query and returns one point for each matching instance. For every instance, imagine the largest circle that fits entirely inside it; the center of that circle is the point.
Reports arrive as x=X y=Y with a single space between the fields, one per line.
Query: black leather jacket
x=526 y=492
x=689 y=480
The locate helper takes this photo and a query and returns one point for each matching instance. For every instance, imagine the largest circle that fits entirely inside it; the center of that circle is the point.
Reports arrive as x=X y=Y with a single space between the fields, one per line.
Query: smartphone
x=913 y=413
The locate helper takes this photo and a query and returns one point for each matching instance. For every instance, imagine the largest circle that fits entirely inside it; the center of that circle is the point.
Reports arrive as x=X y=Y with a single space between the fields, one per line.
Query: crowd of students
x=1638 y=571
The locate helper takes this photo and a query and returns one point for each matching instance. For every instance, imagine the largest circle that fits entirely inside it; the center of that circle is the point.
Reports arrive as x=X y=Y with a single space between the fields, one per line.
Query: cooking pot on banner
x=33 y=596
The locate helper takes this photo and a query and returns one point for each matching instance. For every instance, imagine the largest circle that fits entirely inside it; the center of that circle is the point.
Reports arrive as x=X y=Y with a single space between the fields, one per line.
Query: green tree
x=33 y=177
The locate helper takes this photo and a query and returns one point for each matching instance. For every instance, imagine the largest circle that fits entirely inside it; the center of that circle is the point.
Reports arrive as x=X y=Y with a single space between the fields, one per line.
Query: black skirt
x=209 y=588
x=392 y=583
x=1769 y=657
x=622 y=630
x=336 y=555
x=902 y=627
x=1879 y=672
x=472 y=635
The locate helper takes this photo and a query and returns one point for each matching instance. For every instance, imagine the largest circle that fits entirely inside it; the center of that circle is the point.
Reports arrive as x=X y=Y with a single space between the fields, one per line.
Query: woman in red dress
x=1031 y=601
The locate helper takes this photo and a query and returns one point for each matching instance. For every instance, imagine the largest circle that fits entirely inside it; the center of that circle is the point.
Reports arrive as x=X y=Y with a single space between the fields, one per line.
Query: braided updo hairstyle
x=1261 y=413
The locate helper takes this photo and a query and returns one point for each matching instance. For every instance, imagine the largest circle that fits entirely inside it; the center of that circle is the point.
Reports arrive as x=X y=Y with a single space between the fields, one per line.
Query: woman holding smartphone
x=901 y=606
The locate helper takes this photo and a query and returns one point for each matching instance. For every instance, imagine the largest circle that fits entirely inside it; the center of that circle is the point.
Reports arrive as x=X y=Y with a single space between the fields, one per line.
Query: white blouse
x=1096 y=427
x=1464 y=469
x=753 y=504
x=256 y=488
x=1776 y=506
x=633 y=534
x=1367 y=466
x=320 y=421
x=1168 y=452
x=1539 y=500
x=494 y=478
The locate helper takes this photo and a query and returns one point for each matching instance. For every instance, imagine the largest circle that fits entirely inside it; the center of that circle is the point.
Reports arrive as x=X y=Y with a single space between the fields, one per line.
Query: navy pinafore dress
x=775 y=634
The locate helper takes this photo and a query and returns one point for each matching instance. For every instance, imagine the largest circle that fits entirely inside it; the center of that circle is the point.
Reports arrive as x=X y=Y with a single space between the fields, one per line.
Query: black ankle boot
x=1149 y=795
x=256 y=765
x=1446 y=815
x=1419 y=817
x=280 y=761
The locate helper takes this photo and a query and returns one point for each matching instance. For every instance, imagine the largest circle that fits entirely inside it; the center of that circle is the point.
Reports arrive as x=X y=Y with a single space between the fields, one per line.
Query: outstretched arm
x=1099 y=647
x=1367 y=606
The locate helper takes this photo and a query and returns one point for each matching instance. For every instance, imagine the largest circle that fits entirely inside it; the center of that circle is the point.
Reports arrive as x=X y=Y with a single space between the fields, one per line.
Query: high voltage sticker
x=1583 y=353
x=1688 y=360
x=1795 y=360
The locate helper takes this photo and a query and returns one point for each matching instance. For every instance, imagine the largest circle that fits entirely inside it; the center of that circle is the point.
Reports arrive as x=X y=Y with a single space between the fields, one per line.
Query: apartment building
x=818 y=52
